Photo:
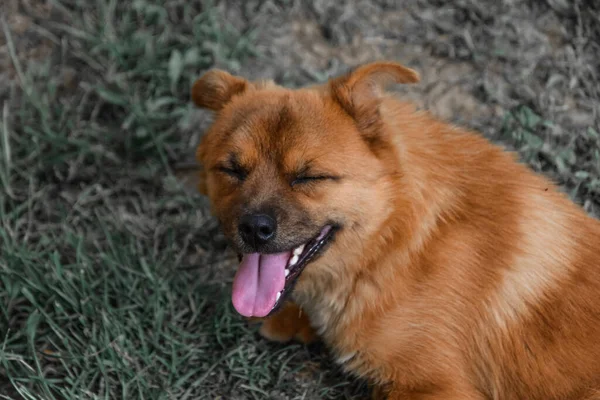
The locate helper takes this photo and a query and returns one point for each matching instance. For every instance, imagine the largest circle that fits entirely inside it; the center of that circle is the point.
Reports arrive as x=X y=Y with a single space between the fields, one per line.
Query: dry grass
x=114 y=281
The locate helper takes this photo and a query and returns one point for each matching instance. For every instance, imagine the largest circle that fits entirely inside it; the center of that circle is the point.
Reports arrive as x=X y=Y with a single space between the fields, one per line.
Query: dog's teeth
x=298 y=250
x=287 y=272
x=294 y=260
x=278 y=296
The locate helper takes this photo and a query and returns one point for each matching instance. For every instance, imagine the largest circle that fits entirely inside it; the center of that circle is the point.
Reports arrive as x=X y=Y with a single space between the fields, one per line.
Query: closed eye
x=233 y=168
x=300 y=180
x=235 y=172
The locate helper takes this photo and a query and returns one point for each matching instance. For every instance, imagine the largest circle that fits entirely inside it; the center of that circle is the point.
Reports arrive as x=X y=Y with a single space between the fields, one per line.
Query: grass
x=114 y=280
x=108 y=269
x=573 y=161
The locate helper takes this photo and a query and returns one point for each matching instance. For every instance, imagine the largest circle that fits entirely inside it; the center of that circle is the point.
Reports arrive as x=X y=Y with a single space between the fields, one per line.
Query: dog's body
x=454 y=272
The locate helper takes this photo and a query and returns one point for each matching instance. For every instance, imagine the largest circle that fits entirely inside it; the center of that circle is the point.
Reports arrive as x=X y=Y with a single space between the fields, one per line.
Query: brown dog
x=429 y=260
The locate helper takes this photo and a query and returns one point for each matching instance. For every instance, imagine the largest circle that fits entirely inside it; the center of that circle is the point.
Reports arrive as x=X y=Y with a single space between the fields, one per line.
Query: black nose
x=257 y=229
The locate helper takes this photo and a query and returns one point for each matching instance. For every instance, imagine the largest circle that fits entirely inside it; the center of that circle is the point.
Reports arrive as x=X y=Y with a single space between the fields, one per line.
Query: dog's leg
x=287 y=324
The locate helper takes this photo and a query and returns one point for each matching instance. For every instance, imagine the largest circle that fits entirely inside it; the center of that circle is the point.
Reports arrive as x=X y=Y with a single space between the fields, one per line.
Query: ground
x=114 y=279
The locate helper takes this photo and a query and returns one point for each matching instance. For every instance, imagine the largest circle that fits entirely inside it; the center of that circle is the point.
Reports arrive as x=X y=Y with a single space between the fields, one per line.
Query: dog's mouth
x=263 y=281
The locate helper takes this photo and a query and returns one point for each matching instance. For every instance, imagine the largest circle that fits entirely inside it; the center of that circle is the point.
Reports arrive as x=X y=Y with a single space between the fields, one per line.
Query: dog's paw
x=290 y=323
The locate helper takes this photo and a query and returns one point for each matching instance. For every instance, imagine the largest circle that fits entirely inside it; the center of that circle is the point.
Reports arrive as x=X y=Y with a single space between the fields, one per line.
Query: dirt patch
x=29 y=45
x=477 y=59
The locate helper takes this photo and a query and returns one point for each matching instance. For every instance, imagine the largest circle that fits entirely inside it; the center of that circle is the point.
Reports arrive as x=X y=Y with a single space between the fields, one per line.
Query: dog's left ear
x=360 y=92
x=215 y=88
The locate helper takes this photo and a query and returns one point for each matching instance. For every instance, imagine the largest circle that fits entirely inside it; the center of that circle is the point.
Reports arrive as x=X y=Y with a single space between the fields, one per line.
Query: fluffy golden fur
x=457 y=272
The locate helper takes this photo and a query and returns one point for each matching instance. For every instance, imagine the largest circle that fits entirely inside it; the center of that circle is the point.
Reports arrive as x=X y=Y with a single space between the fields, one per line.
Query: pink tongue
x=256 y=284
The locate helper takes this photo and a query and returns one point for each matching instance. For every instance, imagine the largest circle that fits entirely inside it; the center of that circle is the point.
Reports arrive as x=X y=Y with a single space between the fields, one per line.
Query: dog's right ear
x=360 y=93
x=215 y=88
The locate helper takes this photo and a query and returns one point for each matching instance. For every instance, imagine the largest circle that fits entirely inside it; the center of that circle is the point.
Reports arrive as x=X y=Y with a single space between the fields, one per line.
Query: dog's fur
x=458 y=273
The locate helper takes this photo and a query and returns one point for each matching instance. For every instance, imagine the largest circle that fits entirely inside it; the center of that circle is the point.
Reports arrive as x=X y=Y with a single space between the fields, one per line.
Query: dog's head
x=295 y=174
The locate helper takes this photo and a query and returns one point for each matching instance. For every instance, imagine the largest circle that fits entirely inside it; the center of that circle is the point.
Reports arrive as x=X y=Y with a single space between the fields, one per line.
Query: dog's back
x=504 y=288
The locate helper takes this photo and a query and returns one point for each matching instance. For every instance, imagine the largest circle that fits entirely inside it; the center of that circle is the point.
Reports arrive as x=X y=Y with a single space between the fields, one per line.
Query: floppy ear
x=360 y=92
x=215 y=88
